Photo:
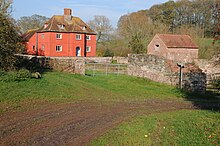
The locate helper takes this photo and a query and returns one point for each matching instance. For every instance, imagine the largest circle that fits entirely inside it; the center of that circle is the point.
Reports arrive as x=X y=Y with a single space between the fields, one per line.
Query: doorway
x=78 y=51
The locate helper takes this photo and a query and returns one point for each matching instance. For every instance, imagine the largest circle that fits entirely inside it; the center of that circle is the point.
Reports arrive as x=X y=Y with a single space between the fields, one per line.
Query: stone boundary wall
x=207 y=66
x=121 y=60
x=98 y=59
x=63 y=64
x=166 y=71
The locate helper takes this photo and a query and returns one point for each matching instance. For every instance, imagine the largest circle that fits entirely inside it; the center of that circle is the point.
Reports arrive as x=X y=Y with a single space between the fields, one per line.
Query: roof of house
x=28 y=34
x=58 y=23
x=177 y=41
x=74 y=25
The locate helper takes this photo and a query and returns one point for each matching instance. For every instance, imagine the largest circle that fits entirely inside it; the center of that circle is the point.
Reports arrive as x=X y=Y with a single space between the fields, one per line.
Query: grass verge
x=186 y=127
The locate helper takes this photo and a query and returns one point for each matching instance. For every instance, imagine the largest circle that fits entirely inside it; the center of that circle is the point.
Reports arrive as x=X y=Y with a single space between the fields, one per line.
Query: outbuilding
x=180 y=48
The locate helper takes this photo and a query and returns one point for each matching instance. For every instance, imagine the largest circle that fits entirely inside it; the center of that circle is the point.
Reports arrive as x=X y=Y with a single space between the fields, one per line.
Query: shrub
x=11 y=76
x=217 y=84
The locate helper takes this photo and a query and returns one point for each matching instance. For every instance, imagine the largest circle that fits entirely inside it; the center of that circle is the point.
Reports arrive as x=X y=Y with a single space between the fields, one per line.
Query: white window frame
x=88 y=49
x=42 y=36
x=43 y=47
x=59 y=48
x=78 y=36
x=58 y=36
x=88 y=37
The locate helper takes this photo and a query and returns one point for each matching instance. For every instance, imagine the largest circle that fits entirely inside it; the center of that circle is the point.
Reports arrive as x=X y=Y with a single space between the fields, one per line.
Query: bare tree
x=101 y=24
x=31 y=22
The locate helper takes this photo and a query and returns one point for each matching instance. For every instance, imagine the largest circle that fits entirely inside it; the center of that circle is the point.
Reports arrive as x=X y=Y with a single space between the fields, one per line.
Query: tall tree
x=10 y=41
x=101 y=24
x=136 y=29
x=31 y=22
x=6 y=6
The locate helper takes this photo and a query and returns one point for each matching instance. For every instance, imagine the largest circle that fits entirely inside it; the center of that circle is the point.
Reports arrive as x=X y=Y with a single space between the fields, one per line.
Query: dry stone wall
x=166 y=71
x=63 y=64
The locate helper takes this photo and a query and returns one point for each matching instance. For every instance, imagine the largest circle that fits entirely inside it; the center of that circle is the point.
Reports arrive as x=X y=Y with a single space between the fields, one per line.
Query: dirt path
x=74 y=123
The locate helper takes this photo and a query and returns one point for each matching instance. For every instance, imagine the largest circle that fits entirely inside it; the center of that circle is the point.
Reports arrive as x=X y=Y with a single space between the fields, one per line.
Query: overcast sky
x=85 y=9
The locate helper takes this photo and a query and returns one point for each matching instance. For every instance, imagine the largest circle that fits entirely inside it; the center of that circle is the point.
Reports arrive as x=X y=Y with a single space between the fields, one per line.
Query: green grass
x=63 y=86
x=184 y=127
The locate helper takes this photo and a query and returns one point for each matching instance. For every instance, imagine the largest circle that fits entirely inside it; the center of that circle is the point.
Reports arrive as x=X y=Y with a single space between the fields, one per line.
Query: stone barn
x=178 y=48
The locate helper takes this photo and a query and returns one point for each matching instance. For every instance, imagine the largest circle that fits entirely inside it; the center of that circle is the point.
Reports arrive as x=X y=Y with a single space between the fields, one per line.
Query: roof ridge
x=51 y=22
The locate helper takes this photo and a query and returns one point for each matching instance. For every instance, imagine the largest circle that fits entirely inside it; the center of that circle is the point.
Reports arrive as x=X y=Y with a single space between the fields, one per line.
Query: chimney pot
x=67 y=11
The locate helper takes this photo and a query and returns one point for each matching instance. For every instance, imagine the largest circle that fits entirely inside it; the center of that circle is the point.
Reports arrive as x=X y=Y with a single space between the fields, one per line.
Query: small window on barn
x=42 y=36
x=58 y=48
x=58 y=36
x=157 y=45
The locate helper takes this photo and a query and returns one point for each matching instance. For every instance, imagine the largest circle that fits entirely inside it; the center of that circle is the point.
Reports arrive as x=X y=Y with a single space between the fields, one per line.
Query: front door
x=78 y=51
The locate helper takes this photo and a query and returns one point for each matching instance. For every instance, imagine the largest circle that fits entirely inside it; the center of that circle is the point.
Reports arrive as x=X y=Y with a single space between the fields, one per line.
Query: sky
x=85 y=9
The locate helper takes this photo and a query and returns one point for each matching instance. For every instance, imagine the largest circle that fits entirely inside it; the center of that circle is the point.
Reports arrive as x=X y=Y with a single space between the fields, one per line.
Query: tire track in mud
x=76 y=123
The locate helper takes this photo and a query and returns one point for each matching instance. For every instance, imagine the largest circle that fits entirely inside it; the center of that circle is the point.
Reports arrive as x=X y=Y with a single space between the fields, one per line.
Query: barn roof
x=177 y=41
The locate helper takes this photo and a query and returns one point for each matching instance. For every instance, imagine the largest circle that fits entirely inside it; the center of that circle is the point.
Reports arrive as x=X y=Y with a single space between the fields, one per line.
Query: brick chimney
x=67 y=14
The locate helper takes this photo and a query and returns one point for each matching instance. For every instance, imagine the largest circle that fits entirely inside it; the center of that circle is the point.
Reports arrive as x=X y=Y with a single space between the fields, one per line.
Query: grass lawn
x=184 y=127
x=64 y=87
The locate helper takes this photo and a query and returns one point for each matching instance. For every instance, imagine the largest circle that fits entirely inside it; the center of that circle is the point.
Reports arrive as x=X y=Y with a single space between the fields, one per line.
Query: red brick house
x=179 y=48
x=63 y=35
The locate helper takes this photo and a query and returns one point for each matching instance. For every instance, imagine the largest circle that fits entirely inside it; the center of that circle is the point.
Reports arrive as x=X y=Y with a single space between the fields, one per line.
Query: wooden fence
x=105 y=69
x=211 y=81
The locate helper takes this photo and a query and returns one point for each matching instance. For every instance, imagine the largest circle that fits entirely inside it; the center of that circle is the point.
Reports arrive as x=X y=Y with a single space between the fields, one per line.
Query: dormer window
x=61 y=26
x=84 y=28
x=45 y=25
x=58 y=36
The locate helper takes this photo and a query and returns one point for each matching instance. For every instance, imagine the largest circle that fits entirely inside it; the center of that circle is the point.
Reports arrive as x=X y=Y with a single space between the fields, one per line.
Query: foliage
x=20 y=75
x=136 y=29
x=217 y=84
x=10 y=43
x=216 y=16
x=108 y=53
x=187 y=127
x=26 y=23
x=136 y=45
x=6 y=6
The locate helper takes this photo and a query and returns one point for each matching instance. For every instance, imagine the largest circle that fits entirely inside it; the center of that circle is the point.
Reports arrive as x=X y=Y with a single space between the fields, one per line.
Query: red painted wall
x=31 y=45
x=47 y=43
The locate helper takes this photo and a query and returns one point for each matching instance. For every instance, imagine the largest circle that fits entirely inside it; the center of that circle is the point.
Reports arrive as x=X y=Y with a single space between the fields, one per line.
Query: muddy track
x=74 y=123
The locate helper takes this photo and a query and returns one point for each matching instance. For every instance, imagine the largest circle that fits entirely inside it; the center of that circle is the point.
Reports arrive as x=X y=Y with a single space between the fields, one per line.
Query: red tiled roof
x=27 y=35
x=177 y=41
x=74 y=25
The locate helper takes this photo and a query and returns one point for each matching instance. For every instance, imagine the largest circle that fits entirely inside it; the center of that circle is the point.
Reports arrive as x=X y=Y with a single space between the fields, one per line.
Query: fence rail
x=211 y=81
x=105 y=69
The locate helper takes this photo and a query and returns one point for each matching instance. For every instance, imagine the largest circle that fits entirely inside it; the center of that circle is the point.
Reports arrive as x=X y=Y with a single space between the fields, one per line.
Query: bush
x=11 y=76
x=108 y=53
x=217 y=84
